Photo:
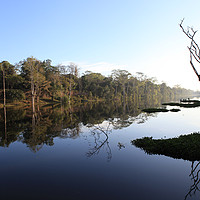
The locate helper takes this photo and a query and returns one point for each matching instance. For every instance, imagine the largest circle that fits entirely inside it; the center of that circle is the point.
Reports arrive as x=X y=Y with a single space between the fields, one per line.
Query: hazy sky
x=101 y=35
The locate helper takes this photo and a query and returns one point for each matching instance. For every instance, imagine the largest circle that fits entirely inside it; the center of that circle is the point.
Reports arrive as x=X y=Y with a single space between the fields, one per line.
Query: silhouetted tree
x=193 y=48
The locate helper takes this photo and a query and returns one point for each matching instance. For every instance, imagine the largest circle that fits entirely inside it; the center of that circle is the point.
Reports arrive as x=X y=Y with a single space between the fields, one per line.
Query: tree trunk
x=4 y=88
x=70 y=89
x=5 y=127
x=124 y=92
x=38 y=99
x=33 y=104
x=33 y=95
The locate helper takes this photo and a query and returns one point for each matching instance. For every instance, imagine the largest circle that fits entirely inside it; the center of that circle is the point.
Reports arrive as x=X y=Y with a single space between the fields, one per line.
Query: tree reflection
x=195 y=178
x=184 y=147
x=72 y=133
x=99 y=142
x=35 y=135
x=40 y=126
x=4 y=137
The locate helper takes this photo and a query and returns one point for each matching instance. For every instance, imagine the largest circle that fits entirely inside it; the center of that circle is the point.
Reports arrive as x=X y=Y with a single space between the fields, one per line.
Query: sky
x=102 y=35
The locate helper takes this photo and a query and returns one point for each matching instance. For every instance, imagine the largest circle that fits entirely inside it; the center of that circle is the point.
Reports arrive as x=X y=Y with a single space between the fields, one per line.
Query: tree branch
x=194 y=48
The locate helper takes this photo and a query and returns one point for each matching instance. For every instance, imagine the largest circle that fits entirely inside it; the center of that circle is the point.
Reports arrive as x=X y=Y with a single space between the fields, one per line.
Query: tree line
x=32 y=80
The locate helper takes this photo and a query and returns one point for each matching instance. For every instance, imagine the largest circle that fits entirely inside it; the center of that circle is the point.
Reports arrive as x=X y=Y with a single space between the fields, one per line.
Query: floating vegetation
x=153 y=110
x=120 y=145
x=185 y=103
x=189 y=101
x=175 y=110
x=185 y=147
x=171 y=104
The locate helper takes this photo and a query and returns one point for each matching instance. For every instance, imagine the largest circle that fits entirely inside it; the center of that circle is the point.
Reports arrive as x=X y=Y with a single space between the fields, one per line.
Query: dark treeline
x=32 y=80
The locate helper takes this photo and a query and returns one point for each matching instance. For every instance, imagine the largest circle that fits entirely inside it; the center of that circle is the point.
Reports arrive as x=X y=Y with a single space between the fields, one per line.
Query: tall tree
x=73 y=74
x=52 y=75
x=30 y=71
x=121 y=76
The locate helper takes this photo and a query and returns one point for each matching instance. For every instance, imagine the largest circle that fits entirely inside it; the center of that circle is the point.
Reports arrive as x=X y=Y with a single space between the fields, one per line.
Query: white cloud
x=104 y=68
x=173 y=68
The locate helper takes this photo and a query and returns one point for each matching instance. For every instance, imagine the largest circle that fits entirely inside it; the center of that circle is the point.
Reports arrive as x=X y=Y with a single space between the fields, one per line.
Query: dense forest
x=32 y=80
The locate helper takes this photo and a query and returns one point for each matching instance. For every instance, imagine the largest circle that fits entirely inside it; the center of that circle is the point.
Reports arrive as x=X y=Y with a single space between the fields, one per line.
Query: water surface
x=86 y=153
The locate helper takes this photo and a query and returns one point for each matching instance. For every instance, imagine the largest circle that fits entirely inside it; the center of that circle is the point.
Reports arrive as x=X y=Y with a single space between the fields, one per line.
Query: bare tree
x=193 y=48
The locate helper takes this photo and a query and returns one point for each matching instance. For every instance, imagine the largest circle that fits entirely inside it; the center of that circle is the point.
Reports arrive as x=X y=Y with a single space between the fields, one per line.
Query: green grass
x=185 y=147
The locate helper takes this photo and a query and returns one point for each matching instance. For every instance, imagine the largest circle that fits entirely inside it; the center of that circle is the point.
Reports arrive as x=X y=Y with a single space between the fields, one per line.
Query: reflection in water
x=100 y=143
x=5 y=126
x=120 y=145
x=40 y=127
x=195 y=179
x=64 y=168
x=126 y=121
x=184 y=147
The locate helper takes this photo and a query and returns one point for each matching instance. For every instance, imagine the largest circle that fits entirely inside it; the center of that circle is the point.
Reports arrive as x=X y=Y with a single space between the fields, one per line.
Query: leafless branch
x=194 y=47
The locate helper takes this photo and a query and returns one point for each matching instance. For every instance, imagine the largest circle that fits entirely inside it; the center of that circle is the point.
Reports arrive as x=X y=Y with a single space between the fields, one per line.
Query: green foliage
x=39 y=79
x=185 y=146
x=13 y=95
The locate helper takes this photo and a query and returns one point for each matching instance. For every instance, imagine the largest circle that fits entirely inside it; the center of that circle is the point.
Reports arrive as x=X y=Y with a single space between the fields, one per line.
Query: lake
x=86 y=152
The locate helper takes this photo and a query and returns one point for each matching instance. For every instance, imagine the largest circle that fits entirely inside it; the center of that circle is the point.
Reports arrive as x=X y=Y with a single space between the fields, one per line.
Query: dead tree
x=193 y=48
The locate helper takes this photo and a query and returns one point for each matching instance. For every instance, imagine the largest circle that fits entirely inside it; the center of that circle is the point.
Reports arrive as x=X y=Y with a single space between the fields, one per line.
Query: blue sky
x=101 y=35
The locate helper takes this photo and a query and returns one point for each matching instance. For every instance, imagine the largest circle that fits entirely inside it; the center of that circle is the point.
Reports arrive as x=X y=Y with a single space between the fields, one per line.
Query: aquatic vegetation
x=185 y=103
x=183 y=147
x=171 y=104
x=189 y=101
x=152 y=110
x=175 y=110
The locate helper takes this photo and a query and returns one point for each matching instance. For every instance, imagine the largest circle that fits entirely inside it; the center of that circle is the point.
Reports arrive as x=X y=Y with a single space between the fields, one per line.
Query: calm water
x=86 y=153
